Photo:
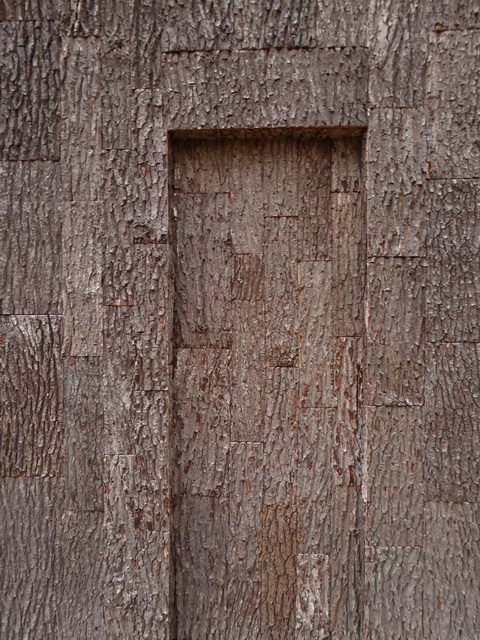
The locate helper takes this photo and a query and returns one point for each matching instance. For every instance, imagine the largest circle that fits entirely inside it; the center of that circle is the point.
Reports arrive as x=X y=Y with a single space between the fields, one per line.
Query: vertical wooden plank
x=396 y=149
x=349 y=422
x=281 y=291
x=346 y=578
x=395 y=487
x=349 y=251
x=452 y=570
x=244 y=543
x=314 y=334
x=279 y=585
x=136 y=555
x=452 y=444
x=281 y=435
x=29 y=111
x=397 y=40
x=203 y=271
x=30 y=238
x=82 y=271
x=202 y=410
x=314 y=481
x=312 y=605
x=395 y=331
x=346 y=165
x=29 y=511
x=32 y=400
x=248 y=195
x=80 y=575
x=453 y=290
x=203 y=166
x=394 y=590
x=81 y=108
x=248 y=372
x=453 y=150
x=83 y=434
x=201 y=570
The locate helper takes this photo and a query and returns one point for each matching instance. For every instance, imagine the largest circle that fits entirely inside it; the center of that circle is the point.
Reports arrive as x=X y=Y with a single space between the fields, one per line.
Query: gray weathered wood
x=452 y=571
x=394 y=591
x=395 y=321
x=29 y=113
x=394 y=479
x=453 y=14
x=30 y=238
x=452 y=438
x=453 y=290
x=32 y=396
x=452 y=107
x=397 y=161
x=346 y=165
x=28 y=10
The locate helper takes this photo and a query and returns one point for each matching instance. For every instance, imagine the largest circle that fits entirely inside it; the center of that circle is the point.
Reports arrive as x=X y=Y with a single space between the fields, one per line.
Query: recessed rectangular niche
x=269 y=236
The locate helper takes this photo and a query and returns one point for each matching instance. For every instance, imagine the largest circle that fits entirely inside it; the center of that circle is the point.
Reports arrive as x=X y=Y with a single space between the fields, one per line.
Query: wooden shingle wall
x=89 y=92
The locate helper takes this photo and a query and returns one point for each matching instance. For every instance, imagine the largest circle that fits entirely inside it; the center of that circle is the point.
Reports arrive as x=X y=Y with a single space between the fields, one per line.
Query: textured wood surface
x=204 y=466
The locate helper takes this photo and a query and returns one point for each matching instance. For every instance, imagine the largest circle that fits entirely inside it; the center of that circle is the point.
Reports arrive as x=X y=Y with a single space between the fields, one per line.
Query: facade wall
x=92 y=96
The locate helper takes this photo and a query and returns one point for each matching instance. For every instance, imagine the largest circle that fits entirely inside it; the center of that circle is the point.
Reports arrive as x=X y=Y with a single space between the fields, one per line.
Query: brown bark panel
x=452 y=107
x=394 y=591
x=30 y=238
x=347 y=445
x=397 y=42
x=202 y=166
x=202 y=388
x=395 y=322
x=312 y=602
x=32 y=398
x=248 y=278
x=241 y=89
x=281 y=435
x=346 y=574
x=245 y=500
x=29 y=511
x=29 y=113
x=80 y=19
x=83 y=434
x=453 y=291
x=453 y=14
x=452 y=571
x=136 y=556
x=281 y=291
x=248 y=372
x=80 y=575
x=346 y=165
x=116 y=94
x=394 y=480
x=80 y=108
x=82 y=272
x=314 y=304
x=203 y=287
x=452 y=444
x=348 y=264
x=314 y=480
x=201 y=569
x=397 y=161
x=28 y=10
x=278 y=572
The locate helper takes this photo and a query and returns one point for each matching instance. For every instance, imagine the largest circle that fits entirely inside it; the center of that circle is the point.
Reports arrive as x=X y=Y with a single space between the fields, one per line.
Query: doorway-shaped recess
x=267 y=429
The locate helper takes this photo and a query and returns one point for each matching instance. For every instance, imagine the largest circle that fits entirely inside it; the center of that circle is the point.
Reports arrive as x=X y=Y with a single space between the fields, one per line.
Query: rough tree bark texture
x=239 y=372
